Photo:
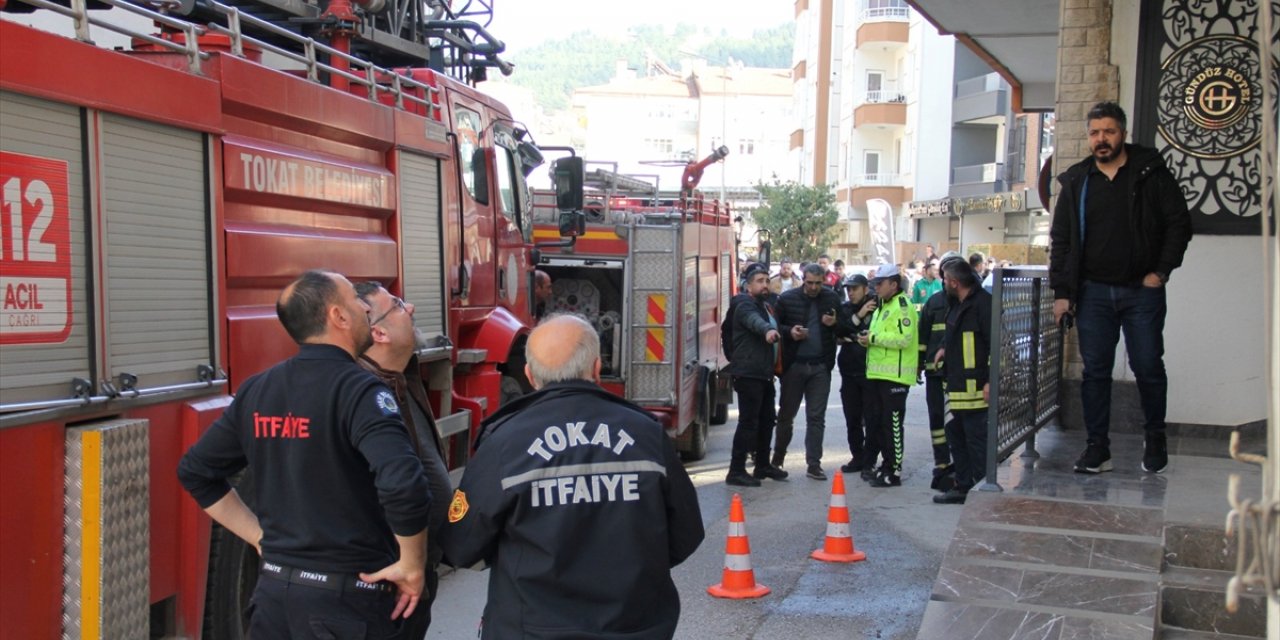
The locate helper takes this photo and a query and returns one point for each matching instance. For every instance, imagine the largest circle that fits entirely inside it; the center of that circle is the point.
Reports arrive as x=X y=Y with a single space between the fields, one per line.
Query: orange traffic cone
x=738 y=581
x=839 y=544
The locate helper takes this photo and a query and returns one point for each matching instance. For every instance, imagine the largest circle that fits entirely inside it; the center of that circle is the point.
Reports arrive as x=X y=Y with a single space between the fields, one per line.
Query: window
x=468 y=125
x=506 y=183
x=871 y=165
x=663 y=146
x=875 y=86
x=746 y=147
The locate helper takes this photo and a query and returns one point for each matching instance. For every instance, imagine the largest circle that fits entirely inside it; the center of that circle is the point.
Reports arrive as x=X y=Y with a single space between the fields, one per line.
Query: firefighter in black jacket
x=855 y=315
x=966 y=359
x=338 y=489
x=933 y=329
x=578 y=501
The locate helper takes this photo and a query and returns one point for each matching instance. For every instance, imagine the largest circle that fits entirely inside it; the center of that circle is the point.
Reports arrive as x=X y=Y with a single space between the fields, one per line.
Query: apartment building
x=889 y=109
x=651 y=122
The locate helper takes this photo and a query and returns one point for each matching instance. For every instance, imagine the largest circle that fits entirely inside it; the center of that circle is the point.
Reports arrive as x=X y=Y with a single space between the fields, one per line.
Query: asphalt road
x=903 y=534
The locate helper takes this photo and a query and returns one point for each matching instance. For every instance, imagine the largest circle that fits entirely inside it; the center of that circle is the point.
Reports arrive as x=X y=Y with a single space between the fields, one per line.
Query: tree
x=800 y=220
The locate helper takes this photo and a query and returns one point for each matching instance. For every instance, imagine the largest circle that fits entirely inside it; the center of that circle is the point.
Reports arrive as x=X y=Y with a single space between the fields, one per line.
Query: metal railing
x=1026 y=364
x=875 y=180
x=884 y=95
x=375 y=79
x=886 y=9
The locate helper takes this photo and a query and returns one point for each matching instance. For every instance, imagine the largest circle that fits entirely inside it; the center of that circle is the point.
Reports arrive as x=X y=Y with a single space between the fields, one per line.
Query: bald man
x=577 y=500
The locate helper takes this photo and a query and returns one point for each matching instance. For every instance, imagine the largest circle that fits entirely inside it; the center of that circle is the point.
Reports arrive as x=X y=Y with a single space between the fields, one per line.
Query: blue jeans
x=1104 y=311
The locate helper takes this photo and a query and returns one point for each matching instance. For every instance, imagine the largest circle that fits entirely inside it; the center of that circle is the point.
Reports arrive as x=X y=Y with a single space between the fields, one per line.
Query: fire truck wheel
x=233 y=573
x=510 y=389
x=721 y=414
x=697 y=448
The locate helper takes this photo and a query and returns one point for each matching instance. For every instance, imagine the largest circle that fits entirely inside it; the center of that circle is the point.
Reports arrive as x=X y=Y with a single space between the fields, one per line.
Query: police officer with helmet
x=341 y=502
x=578 y=501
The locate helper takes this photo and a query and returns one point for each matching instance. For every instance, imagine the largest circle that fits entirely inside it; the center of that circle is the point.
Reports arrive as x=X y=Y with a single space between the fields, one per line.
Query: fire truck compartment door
x=158 y=269
x=42 y=345
x=654 y=291
x=423 y=250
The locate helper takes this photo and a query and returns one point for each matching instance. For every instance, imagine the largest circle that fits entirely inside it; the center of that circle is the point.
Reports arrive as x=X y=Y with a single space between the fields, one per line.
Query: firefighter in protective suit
x=578 y=501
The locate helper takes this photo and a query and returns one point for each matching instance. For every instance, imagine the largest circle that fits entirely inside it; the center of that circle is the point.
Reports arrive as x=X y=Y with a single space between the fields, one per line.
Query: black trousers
x=855 y=392
x=288 y=611
x=967 y=435
x=756 y=417
x=889 y=407
x=935 y=399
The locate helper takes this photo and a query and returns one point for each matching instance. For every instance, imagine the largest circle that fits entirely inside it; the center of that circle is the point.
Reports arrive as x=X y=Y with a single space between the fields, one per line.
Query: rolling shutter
x=43 y=371
x=420 y=233
x=155 y=198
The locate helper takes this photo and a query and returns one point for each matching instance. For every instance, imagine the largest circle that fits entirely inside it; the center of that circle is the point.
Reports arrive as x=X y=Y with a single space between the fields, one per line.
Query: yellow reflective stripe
x=968 y=404
x=91 y=535
x=940 y=326
x=922 y=347
x=963 y=395
x=970 y=355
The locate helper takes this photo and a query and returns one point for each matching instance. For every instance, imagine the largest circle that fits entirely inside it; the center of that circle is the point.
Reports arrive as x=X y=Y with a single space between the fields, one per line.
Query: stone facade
x=1085 y=73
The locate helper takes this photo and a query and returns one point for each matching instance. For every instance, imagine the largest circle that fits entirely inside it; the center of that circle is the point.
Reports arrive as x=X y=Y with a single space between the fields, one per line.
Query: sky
x=525 y=23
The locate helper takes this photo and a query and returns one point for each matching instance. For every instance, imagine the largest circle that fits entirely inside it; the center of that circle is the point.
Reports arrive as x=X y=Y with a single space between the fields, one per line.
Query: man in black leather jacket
x=752 y=365
x=807 y=317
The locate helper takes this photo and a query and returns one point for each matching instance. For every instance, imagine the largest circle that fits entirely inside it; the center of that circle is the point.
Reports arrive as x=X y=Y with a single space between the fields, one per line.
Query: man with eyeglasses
x=807 y=319
x=393 y=359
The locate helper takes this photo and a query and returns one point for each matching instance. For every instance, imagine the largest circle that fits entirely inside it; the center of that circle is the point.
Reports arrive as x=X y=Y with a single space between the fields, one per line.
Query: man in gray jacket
x=752 y=365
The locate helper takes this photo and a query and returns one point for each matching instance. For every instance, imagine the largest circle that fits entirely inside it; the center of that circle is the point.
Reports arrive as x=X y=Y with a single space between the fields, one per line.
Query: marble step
x=1203 y=609
x=1173 y=633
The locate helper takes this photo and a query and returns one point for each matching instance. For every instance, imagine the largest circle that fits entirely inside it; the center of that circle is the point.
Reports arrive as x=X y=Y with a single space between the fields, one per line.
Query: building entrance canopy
x=1018 y=38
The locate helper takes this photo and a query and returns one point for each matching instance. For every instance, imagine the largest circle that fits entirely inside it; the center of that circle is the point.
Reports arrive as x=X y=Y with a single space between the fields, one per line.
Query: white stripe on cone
x=737 y=529
x=737 y=562
x=838 y=530
x=837 y=500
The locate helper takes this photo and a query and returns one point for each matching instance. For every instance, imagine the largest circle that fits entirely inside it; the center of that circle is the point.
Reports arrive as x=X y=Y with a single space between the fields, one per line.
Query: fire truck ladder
x=607 y=183
x=655 y=312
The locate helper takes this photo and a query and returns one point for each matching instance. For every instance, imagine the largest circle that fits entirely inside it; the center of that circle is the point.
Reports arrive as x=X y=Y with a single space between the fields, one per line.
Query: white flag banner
x=880 y=219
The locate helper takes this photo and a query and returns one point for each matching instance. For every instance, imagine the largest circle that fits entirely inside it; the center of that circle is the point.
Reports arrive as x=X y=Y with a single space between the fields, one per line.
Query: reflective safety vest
x=893 y=352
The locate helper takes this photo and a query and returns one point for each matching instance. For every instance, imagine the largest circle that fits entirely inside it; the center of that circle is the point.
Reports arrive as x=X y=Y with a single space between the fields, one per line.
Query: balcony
x=981 y=100
x=868 y=186
x=977 y=180
x=883 y=108
x=883 y=22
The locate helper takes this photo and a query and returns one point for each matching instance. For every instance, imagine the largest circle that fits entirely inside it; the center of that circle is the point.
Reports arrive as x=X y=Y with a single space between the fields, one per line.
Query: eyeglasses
x=396 y=303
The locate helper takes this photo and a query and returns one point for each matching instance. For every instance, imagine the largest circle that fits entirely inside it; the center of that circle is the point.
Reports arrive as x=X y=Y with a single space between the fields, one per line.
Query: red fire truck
x=654 y=273
x=156 y=198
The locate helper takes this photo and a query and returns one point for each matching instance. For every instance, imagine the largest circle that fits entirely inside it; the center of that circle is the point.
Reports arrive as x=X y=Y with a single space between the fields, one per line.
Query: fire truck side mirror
x=567 y=175
x=572 y=224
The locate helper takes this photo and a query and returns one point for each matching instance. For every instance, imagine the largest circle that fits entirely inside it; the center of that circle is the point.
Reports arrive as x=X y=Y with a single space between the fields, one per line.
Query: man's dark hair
x=303 y=306
x=815 y=269
x=961 y=272
x=976 y=260
x=367 y=288
x=824 y=256
x=838 y=263
x=1108 y=109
